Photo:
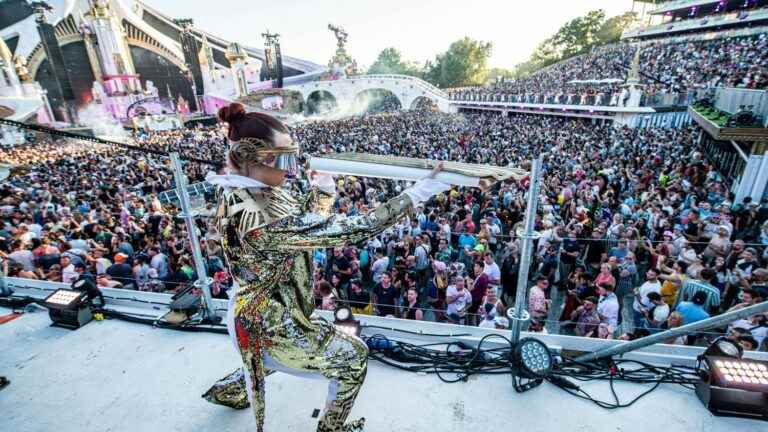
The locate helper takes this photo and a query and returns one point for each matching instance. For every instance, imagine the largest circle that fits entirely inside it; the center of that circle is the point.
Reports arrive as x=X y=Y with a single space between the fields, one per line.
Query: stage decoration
x=403 y=168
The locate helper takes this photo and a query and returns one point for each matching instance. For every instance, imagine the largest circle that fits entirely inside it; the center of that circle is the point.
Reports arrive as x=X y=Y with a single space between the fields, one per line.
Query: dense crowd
x=731 y=62
x=627 y=240
x=588 y=79
x=665 y=68
x=81 y=208
x=638 y=232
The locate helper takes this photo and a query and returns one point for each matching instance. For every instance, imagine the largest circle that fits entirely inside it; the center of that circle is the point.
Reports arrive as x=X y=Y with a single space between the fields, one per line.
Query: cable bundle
x=453 y=358
x=615 y=370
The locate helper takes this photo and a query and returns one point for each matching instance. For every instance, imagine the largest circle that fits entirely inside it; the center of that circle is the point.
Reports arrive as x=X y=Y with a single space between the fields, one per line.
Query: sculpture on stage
x=268 y=234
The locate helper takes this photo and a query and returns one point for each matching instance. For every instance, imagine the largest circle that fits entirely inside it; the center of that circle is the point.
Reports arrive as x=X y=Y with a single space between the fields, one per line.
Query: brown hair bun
x=232 y=113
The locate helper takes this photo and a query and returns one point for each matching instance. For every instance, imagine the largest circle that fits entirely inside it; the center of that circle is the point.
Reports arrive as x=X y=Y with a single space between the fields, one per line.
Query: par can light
x=531 y=358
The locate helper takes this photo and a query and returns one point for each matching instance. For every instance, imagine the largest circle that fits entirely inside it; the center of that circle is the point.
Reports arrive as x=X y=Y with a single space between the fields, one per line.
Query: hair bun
x=232 y=113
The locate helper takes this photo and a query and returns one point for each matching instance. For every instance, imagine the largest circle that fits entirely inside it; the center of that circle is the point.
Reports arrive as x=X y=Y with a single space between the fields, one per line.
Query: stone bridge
x=408 y=90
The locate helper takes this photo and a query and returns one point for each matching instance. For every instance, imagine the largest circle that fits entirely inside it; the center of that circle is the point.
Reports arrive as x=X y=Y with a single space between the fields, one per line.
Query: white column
x=113 y=51
x=761 y=179
x=749 y=183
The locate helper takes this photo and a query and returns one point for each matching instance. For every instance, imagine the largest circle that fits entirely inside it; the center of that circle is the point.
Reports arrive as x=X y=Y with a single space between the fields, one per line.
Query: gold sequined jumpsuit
x=268 y=238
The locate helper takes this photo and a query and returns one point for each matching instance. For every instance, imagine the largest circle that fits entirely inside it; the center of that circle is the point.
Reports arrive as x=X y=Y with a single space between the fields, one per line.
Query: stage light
x=345 y=322
x=730 y=385
x=68 y=308
x=88 y=285
x=531 y=358
x=724 y=347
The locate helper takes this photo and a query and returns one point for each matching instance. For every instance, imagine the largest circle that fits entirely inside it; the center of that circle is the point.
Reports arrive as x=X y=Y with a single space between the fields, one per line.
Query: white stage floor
x=114 y=376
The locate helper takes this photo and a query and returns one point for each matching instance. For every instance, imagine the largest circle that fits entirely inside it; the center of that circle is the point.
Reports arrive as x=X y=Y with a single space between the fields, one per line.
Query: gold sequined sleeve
x=313 y=231
x=318 y=202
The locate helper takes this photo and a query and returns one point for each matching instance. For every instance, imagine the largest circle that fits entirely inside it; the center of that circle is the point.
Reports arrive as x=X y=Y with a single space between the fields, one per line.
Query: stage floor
x=117 y=376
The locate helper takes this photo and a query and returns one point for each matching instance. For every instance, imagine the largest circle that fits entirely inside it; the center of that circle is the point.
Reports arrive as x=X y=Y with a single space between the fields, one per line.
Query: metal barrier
x=194 y=190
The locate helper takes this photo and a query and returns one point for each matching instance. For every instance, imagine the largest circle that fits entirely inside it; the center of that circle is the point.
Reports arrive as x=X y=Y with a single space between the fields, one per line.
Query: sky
x=420 y=29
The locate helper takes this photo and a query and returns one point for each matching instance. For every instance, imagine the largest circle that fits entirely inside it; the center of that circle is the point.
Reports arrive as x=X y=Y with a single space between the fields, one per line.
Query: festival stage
x=118 y=376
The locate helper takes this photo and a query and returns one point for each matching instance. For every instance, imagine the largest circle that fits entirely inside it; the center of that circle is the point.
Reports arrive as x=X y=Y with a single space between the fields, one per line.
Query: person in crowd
x=656 y=315
x=359 y=299
x=538 y=304
x=586 y=318
x=458 y=300
x=703 y=284
x=694 y=310
x=643 y=303
x=607 y=310
x=380 y=265
x=327 y=296
x=385 y=297
x=410 y=309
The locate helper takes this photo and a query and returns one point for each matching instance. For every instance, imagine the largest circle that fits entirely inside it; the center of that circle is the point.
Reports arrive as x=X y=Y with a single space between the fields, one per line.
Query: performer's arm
x=321 y=195
x=312 y=231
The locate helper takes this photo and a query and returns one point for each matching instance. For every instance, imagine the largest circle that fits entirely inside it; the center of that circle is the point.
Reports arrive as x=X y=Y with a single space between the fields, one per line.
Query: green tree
x=495 y=72
x=390 y=61
x=576 y=37
x=579 y=34
x=465 y=63
x=613 y=27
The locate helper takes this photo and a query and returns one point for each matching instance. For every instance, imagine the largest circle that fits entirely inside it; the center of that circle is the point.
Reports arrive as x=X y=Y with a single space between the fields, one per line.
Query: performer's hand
x=439 y=167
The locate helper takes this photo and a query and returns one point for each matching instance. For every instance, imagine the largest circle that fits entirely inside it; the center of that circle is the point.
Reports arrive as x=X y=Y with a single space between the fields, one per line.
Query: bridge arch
x=321 y=102
x=375 y=100
x=424 y=103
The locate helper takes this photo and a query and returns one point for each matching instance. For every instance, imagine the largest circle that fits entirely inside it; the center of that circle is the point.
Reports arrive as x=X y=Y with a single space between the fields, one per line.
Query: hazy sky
x=418 y=28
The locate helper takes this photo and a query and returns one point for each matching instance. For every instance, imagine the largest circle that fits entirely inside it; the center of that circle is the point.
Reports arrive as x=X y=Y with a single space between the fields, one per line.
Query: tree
x=576 y=37
x=579 y=34
x=613 y=27
x=390 y=61
x=465 y=63
x=496 y=72
x=545 y=54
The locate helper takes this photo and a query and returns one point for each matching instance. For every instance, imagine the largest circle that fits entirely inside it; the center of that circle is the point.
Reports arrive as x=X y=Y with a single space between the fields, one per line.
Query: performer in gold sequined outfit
x=268 y=237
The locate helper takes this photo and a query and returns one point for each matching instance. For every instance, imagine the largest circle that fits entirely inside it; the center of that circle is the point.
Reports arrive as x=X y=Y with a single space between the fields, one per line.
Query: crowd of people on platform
x=730 y=62
x=593 y=78
x=637 y=230
x=665 y=67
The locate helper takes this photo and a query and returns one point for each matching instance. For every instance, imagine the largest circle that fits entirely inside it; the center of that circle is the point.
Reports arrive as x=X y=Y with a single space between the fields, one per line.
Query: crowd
x=728 y=62
x=638 y=232
x=665 y=68
x=81 y=208
x=589 y=79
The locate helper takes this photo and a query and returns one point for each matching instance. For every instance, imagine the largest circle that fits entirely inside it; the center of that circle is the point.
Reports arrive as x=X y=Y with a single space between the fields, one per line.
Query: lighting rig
x=531 y=362
x=730 y=385
x=68 y=308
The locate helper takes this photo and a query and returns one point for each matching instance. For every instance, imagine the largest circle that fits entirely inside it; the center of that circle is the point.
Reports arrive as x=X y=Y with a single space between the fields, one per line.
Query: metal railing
x=431 y=88
x=586 y=99
x=706 y=22
x=194 y=190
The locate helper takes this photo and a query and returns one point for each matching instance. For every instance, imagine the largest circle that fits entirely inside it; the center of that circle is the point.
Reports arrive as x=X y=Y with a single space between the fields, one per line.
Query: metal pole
x=520 y=315
x=203 y=282
x=678 y=331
